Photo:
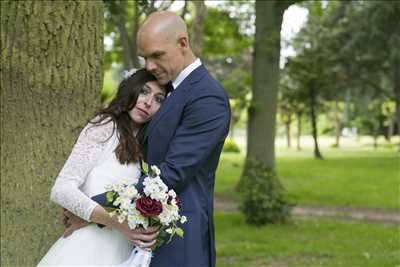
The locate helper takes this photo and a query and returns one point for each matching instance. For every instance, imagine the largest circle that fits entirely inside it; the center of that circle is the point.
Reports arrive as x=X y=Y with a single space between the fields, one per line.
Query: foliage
x=262 y=195
x=230 y=146
x=226 y=53
x=346 y=51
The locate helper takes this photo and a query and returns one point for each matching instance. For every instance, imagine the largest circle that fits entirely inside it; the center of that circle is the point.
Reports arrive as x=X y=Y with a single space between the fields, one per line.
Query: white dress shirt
x=186 y=71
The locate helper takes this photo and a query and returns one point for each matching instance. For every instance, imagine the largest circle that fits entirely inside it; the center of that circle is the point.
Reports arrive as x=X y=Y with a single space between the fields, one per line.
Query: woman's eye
x=144 y=91
x=160 y=99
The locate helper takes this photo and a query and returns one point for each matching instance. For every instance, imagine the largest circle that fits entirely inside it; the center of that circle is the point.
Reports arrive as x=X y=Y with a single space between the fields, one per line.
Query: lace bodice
x=91 y=165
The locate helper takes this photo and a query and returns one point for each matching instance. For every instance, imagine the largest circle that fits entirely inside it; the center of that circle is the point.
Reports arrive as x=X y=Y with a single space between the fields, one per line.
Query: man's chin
x=163 y=80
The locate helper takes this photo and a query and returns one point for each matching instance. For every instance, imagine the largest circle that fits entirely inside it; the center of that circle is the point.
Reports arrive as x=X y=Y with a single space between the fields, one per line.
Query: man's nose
x=150 y=66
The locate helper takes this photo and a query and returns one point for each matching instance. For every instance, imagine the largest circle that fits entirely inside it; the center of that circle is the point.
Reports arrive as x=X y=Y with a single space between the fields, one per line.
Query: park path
x=360 y=214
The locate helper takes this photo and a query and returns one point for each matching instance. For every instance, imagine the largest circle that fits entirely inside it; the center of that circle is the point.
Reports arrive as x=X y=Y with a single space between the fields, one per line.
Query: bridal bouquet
x=155 y=206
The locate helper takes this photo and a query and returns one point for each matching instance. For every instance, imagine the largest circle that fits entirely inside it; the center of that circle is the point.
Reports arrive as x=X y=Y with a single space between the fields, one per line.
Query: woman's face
x=150 y=98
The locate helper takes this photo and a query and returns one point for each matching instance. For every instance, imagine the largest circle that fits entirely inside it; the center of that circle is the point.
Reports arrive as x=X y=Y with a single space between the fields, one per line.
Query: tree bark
x=338 y=125
x=391 y=122
x=396 y=81
x=51 y=76
x=198 y=25
x=185 y=10
x=262 y=111
x=127 y=50
x=313 y=115
x=288 y=122
x=135 y=26
x=298 y=114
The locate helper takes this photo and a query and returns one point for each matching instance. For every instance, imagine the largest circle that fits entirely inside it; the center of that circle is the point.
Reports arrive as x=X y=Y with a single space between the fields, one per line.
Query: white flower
x=135 y=219
x=155 y=188
x=168 y=230
x=128 y=73
x=183 y=219
x=172 y=193
x=130 y=192
x=155 y=170
x=169 y=214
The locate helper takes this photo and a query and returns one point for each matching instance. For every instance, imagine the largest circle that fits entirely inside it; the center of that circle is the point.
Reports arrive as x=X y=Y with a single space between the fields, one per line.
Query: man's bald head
x=163 y=43
x=164 y=24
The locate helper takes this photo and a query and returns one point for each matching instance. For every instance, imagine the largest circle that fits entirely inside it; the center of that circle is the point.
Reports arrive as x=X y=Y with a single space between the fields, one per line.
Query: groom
x=185 y=138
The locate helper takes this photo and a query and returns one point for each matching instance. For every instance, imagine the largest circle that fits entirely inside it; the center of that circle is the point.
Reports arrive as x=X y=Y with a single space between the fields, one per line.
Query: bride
x=106 y=151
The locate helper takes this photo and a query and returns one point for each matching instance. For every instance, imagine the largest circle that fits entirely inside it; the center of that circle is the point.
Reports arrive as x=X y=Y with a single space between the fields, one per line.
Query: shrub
x=230 y=146
x=262 y=195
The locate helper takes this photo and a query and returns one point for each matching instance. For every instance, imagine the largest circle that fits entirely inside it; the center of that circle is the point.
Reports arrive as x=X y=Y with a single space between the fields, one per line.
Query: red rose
x=148 y=207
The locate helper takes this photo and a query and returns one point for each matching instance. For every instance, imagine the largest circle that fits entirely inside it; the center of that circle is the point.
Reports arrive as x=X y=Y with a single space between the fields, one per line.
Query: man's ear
x=183 y=42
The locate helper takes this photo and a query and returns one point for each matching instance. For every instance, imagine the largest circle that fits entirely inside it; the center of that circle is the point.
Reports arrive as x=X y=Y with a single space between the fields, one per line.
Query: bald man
x=185 y=138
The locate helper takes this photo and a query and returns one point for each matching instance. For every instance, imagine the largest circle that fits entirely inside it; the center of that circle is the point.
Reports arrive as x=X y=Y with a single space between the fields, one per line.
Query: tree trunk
x=299 y=114
x=262 y=111
x=51 y=76
x=287 y=127
x=135 y=26
x=338 y=125
x=391 y=121
x=124 y=38
x=231 y=129
x=396 y=81
x=375 y=137
x=313 y=115
x=185 y=10
x=198 y=24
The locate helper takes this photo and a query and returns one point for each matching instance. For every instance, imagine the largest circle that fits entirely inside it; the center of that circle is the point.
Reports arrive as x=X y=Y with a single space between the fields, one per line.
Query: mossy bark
x=262 y=111
x=51 y=76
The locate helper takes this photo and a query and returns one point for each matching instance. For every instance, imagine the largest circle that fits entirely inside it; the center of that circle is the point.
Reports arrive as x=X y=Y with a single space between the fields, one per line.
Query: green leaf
x=145 y=167
x=110 y=196
x=179 y=232
x=109 y=209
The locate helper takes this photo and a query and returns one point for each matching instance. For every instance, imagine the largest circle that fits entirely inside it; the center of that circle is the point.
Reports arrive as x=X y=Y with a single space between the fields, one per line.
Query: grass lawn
x=305 y=243
x=347 y=177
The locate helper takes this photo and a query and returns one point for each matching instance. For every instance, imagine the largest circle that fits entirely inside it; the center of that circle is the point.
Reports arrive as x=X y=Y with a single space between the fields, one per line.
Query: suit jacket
x=185 y=139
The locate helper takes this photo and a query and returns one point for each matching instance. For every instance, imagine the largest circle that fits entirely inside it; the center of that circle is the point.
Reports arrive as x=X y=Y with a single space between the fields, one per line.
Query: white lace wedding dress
x=90 y=167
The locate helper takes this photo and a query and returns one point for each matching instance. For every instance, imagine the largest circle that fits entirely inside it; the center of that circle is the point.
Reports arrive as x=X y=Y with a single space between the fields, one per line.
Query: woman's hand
x=143 y=238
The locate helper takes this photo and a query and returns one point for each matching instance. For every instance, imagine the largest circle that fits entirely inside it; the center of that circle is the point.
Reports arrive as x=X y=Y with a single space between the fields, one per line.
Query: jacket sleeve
x=204 y=125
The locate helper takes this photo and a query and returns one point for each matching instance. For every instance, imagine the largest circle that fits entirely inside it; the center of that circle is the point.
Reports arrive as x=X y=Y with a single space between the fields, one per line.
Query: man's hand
x=72 y=223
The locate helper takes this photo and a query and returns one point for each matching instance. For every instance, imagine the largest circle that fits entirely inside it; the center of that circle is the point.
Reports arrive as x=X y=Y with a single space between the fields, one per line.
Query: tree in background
x=227 y=54
x=263 y=195
x=198 y=25
x=51 y=76
x=365 y=38
x=122 y=22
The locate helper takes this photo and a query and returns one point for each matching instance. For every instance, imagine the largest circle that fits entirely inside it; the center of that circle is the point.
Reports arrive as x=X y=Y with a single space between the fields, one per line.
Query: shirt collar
x=186 y=71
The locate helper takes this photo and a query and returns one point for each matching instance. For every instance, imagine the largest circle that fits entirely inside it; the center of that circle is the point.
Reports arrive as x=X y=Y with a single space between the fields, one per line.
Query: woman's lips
x=144 y=112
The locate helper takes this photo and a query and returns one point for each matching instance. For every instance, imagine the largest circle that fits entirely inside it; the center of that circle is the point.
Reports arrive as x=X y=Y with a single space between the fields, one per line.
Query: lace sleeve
x=84 y=156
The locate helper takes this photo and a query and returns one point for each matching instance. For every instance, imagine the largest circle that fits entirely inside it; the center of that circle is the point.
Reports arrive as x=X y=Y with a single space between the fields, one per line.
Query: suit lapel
x=175 y=97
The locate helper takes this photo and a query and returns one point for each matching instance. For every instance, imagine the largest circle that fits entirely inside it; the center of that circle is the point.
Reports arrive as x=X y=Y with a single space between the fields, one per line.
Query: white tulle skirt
x=89 y=246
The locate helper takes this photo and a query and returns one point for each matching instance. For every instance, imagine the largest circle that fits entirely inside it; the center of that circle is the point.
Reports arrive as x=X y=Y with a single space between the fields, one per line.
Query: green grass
x=305 y=243
x=347 y=177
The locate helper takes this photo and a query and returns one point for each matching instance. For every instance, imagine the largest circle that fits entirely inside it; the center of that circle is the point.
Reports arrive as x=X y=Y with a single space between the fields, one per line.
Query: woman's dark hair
x=128 y=149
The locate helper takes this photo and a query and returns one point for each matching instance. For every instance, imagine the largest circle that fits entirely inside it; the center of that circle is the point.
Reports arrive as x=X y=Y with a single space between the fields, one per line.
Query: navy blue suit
x=185 y=139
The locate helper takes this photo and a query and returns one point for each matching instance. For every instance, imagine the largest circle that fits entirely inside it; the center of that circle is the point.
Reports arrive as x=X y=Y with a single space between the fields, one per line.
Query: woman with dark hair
x=106 y=151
